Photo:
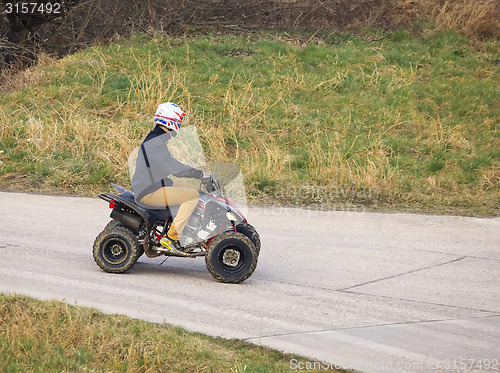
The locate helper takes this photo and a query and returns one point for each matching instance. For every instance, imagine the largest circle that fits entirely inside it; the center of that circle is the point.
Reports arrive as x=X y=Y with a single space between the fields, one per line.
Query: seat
x=154 y=213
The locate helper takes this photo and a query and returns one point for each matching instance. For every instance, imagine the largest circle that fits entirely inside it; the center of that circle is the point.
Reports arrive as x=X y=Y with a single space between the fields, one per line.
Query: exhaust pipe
x=130 y=220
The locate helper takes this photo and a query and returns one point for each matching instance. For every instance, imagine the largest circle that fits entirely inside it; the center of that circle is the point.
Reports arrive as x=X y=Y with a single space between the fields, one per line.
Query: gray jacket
x=155 y=164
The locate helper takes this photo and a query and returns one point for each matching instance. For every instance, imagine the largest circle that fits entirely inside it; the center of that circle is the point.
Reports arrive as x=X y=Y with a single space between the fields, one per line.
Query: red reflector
x=111 y=205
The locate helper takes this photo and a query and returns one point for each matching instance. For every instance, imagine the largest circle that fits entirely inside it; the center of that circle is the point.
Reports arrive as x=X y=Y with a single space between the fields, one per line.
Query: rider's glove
x=190 y=172
x=198 y=174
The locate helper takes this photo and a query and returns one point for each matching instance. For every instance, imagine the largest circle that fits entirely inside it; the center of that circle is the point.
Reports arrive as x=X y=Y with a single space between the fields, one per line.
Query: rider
x=151 y=183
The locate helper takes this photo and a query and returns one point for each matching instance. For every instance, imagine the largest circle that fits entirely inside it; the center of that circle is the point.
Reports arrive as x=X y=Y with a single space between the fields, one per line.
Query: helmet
x=169 y=115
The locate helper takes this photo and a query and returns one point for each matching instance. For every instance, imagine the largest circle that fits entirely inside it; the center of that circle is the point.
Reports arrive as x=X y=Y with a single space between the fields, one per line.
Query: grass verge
x=401 y=122
x=50 y=336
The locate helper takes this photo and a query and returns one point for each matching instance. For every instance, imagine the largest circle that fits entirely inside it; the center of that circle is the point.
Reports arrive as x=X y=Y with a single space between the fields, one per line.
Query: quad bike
x=216 y=230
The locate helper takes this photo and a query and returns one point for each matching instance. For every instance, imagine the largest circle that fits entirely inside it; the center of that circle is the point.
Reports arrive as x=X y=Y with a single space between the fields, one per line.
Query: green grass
x=403 y=123
x=50 y=336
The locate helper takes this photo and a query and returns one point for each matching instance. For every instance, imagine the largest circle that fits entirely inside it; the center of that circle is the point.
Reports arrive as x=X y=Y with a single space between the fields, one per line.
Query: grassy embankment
x=401 y=123
x=38 y=336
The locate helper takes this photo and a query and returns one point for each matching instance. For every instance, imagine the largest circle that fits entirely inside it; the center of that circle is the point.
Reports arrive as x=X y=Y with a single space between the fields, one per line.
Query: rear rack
x=108 y=197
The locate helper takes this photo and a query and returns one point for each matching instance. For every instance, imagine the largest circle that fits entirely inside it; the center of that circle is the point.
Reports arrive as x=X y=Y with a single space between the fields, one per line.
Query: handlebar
x=211 y=183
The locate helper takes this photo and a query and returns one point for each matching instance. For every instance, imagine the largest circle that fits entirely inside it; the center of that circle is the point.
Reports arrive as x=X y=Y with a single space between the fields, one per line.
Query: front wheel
x=116 y=250
x=249 y=231
x=231 y=257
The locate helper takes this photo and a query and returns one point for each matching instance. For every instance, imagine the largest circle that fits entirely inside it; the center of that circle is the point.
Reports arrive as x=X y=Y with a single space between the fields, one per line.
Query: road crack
x=404 y=274
x=8 y=244
x=368 y=326
x=417 y=301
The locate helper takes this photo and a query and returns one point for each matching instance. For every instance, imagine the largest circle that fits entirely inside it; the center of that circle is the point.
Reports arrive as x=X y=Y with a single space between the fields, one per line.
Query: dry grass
x=471 y=17
x=101 y=137
x=15 y=79
x=38 y=336
x=350 y=116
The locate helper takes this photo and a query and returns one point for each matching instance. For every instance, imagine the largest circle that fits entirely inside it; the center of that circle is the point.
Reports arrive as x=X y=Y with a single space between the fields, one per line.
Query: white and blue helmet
x=170 y=116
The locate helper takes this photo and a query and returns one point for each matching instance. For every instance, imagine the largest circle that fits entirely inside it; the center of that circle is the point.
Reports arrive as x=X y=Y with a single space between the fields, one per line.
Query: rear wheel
x=231 y=257
x=116 y=250
x=115 y=223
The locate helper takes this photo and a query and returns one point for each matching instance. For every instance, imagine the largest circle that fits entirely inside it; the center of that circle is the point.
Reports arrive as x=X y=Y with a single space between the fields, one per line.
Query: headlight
x=231 y=216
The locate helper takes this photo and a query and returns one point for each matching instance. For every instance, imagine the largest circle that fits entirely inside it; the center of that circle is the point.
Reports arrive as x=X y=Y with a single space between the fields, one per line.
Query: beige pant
x=183 y=194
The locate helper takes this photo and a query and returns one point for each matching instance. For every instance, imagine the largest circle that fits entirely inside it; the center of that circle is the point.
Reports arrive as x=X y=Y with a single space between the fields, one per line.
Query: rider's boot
x=170 y=245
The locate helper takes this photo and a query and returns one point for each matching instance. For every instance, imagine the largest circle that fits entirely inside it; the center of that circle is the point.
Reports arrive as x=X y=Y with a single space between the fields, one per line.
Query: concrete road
x=371 y=291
